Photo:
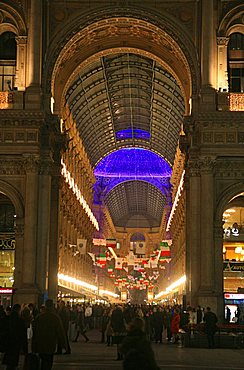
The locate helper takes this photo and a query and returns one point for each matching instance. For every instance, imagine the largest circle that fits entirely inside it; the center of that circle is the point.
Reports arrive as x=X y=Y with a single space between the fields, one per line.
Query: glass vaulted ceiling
x=128 y=101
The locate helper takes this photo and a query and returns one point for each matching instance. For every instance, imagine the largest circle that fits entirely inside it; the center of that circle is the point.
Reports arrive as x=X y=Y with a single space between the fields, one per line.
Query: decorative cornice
x=12 y=167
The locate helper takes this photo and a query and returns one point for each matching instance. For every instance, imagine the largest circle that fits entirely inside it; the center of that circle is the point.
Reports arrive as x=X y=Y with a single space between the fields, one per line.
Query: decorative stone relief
x=31 y=163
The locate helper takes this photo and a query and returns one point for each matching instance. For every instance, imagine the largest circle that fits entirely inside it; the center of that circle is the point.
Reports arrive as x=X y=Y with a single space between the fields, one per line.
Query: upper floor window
x=236 y=63
x=8 y=51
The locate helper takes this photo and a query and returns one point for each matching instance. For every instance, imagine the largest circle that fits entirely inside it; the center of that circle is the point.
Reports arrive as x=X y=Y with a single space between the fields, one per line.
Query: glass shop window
x=236 y=63
x=8 y=52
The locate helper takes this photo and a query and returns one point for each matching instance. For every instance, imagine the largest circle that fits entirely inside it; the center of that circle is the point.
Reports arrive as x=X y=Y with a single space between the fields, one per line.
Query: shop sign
x=6 y=291
x=234 y=266
x=233 y=296
x=7 y=244
x=234 y=233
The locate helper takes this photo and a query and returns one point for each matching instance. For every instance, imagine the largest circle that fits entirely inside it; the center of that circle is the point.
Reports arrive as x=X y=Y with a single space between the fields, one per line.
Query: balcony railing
x=230 y=101
x=6 y=99
x=236 y=102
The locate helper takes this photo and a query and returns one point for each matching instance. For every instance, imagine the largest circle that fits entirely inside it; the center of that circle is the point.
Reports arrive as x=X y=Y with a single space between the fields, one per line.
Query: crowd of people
x=131 y=328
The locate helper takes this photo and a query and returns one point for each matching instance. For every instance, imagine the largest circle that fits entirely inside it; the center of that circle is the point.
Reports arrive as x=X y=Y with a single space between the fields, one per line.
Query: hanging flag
x=130 y=258
x=92 y=255
x=153 y=263
x=165 y=249
x=101 y=260
x=132 y=246
x=110 y=269
x=81 y=245
x=140 y=247
x=111 y=243
x=99 y=242
x=118 y=263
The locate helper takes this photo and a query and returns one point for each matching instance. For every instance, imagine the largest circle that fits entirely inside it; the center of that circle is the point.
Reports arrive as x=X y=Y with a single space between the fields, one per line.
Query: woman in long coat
x=175 y=325
x=137 y=349
x=117 y=323
x=15 y=337
x=48 y=331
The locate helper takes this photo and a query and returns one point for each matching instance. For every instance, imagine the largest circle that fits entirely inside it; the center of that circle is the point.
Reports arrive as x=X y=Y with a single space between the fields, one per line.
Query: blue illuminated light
x=130 y=133
x=133 y=163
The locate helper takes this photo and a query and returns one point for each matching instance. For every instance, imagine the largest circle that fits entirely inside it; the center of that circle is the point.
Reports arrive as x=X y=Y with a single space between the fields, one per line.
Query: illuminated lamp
x=132 y=133
x=133 y=163
x=238 y=249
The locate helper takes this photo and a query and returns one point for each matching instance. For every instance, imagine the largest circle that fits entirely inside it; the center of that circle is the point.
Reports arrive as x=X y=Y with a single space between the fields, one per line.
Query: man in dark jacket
x=15 y=337
x=210 y=320
x=136 y=348
x=48 y=331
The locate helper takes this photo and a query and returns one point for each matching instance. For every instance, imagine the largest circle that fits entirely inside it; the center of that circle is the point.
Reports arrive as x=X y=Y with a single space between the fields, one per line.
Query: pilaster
x=20 y=81
x=222 y=43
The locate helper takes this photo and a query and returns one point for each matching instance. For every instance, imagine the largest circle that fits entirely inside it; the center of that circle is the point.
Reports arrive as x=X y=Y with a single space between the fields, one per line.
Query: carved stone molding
x=159 y=32
x=222 y=40
x=31 y=163
x=207 y=164
x=19 y=228
x=193 y=168
x=11 y=118
x=12 y=167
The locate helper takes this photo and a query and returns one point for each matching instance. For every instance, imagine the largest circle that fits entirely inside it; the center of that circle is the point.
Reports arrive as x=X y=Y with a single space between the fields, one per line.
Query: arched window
x=236 y=62
x=8 y=51
x=137 y=237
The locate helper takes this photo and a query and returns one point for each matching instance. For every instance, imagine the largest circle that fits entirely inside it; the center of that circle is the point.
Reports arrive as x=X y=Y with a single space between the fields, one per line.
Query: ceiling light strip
x=83 y=284
x=177 y=197
x=171 y=287
x=73 y=186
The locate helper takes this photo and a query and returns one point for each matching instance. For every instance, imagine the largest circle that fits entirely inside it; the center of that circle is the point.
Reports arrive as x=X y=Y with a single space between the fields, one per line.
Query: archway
x=152 y=67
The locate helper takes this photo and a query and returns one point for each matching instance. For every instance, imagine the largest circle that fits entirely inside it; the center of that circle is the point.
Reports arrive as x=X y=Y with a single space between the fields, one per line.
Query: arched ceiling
x=127 y=100
x=136 y=204
x=126 y=92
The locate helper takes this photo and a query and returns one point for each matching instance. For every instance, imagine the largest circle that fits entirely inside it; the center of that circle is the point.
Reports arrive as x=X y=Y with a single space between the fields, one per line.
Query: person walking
x=81 y=325
x=48 y=332
x=210 y=320
x=14 y=330
x=118 y=327
x=136 y=348
x=175 y=325
x=64 y=315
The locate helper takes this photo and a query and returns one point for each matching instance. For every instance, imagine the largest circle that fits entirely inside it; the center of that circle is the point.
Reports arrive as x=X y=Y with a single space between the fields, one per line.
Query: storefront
x=235 y=303
x=233 y=249
x=6 y=297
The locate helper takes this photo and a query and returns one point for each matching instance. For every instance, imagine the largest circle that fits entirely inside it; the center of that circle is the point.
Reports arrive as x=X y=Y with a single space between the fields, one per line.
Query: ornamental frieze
x=11 y=167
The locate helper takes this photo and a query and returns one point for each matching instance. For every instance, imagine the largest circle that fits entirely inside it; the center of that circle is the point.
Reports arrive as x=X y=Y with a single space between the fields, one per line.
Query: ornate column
x=34 y=41
x=20 y=81
x=43 y=225
x=207 y=247
x=19 y=249
x=222 y=43
x=218 y=270
x=207 y=41
x=30 y=236
x=53 y=240
x=193 y=187
x=33 y=91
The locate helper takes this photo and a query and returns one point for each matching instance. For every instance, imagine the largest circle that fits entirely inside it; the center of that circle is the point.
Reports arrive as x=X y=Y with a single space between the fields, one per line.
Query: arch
x=225 y=197
x=159 y=38
x=137 y=237
x=12 y=193
x=232 y=22
x=8 y=27
x=17 y=24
